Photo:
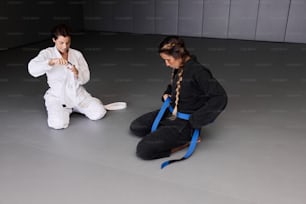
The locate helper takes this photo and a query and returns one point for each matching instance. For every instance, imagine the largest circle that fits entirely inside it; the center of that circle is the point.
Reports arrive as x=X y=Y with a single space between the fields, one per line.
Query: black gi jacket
x=201 y=95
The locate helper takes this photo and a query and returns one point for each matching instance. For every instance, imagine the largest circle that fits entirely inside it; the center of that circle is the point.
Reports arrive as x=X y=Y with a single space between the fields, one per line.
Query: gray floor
x=254 y=152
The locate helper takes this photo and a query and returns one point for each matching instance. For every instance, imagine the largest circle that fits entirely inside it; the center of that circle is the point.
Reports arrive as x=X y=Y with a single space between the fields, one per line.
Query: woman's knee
x=144 y=151
x=58 y=123
x=58 y=118
x=94 y=110
x=139 y=129
x=149 y=150
x=97 y=113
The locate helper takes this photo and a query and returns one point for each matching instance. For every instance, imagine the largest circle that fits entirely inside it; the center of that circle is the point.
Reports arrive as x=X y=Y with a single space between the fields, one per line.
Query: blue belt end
x=164 y=164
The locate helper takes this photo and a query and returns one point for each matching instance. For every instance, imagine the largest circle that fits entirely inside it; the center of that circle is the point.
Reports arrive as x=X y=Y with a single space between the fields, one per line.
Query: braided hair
x=175 y=47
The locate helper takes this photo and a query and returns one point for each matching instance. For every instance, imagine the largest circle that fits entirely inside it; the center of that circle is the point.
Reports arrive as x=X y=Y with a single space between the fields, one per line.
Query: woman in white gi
x=66 y=71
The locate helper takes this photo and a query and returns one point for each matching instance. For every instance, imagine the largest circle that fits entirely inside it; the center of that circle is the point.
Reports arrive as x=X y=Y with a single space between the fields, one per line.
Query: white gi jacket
x=63 y=85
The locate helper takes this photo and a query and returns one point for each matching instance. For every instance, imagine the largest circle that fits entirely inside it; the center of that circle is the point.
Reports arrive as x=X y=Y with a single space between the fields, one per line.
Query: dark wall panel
x=166 y=17
x=215 y=18
x=272 y=20
x=296 y=28
x=190 y=17
x=123 y=17
x=23 y=22
x=243 y=19
x=143 y=16
x=98 y=15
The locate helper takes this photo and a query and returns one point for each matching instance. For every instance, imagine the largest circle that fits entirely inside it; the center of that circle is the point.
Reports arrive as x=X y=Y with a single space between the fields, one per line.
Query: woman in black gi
x=193 y=90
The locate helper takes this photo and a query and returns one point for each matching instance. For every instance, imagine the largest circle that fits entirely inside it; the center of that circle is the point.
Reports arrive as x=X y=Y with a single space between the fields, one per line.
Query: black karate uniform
x=201 y=95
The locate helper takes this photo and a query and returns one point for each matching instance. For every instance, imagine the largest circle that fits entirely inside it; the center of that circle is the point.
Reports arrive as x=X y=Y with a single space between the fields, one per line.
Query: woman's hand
x=55 y=61
x=165 y=96
x=74 y=70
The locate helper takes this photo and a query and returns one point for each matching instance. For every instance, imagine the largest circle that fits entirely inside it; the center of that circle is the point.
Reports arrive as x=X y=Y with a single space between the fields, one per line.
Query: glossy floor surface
x=254 y=153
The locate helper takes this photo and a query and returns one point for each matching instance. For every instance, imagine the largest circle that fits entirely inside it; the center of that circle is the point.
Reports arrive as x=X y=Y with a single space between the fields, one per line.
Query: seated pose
x=195 y=99
x=66 y=71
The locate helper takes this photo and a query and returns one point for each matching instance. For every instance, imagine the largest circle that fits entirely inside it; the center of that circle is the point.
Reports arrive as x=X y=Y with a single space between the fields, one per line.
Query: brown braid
x=177 y=90
x=175 y=47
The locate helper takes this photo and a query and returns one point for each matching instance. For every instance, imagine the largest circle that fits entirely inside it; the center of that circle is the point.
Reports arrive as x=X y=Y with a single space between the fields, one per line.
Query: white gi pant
x=59 y=114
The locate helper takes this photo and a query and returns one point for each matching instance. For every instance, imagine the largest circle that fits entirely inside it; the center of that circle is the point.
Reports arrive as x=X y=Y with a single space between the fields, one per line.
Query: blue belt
x=183 y=116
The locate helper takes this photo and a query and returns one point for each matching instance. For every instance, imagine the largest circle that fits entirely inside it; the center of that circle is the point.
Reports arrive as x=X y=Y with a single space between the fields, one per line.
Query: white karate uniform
x=66 y=93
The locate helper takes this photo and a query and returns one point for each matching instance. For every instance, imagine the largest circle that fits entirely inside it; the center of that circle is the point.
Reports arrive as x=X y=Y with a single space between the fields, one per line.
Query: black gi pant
x=169 y=134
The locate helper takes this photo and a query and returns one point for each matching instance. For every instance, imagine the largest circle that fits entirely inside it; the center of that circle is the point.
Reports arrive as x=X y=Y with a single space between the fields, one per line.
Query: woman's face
x=170 y=61
x=62 y=43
